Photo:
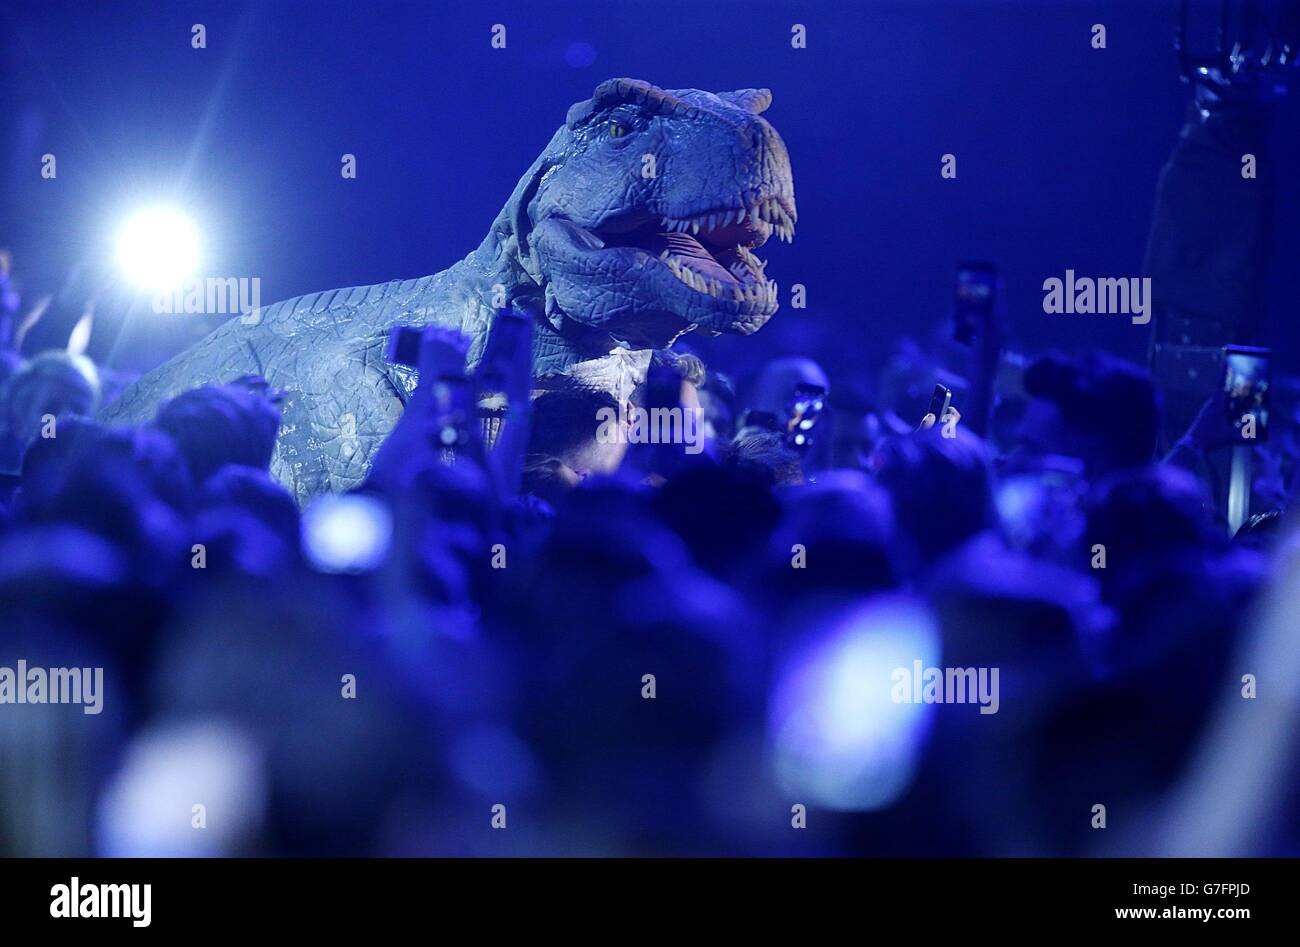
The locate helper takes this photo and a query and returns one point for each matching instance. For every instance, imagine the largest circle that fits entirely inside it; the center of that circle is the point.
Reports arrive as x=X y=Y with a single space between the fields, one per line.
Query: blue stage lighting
x=157 y=248
x=347 y=533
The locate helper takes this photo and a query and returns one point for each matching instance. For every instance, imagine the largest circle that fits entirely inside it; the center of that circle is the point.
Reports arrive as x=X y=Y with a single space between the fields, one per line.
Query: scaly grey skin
x=634 y=226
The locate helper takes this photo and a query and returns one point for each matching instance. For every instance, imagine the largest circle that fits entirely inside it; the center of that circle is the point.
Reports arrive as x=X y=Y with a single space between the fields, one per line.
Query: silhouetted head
x=940 y=488
x=221 y=424
x=51 y=385
x=1096 y=408
x=565 y=425
x=774 y=386
x=1147 y=512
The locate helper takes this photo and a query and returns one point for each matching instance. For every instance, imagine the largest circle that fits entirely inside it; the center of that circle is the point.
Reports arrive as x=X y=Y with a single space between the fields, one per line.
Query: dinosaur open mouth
x=712 y=252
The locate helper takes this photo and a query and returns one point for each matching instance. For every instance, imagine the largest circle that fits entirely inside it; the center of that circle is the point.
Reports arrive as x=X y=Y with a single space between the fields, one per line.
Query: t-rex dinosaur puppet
x=635 y=225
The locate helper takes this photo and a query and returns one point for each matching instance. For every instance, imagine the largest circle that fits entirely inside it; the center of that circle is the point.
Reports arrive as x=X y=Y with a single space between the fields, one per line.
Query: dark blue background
x=1058 y=144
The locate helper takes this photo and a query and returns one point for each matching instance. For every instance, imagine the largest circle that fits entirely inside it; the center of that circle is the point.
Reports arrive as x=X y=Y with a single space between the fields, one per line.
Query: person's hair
x=718 y=401
x=725 y=513
x=566 y=420
x=1260 y=531
x=113 y=498
x=50 y=383
x=765 y=455
x=845 y=521
x=1148 y=511
x=144 y=454
x=940 y=487
x=221 y=424
x=257 y=492
x=49 y=461
x=1110 y=400
x=157 y=459
x=774 y=385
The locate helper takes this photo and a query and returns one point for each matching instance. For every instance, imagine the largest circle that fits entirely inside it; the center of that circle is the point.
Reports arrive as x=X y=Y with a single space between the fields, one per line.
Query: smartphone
x=404 y=346
x=509 y=340
x=1246 y=387
x=806 y=407
x=939 y=402
x=976 y=289
x=446 y=350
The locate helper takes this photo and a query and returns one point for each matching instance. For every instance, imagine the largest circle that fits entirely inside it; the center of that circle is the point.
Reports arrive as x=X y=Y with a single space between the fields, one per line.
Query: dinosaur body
x=635 y=225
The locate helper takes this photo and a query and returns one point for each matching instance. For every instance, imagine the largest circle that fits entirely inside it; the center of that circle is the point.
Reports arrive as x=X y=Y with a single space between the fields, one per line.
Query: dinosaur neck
x=496 y=274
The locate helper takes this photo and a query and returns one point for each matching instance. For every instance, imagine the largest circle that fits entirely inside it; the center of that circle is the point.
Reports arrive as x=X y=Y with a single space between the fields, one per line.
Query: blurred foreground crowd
x=644 y=650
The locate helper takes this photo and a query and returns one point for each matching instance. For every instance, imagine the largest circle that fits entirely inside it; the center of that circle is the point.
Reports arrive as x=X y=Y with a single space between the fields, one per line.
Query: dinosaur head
x=642 y=217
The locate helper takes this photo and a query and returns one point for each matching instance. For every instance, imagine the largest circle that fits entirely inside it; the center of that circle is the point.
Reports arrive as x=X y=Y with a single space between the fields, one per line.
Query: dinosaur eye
x=617 y=129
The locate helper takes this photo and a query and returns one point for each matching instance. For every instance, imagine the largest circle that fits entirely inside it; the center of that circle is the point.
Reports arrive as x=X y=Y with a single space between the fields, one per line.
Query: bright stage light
x=158 y=248
x=838 y=733
x=347 y=533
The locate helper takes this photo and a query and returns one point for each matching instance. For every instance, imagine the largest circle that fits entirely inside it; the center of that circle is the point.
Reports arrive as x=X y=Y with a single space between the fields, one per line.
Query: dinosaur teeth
x=683 y=253
x=749 y=260
x=767 y=210
x=750 y=287
x=781 y=220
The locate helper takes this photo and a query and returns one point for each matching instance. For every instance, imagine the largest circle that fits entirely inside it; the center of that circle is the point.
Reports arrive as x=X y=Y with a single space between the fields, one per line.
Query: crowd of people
x=631 y=648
